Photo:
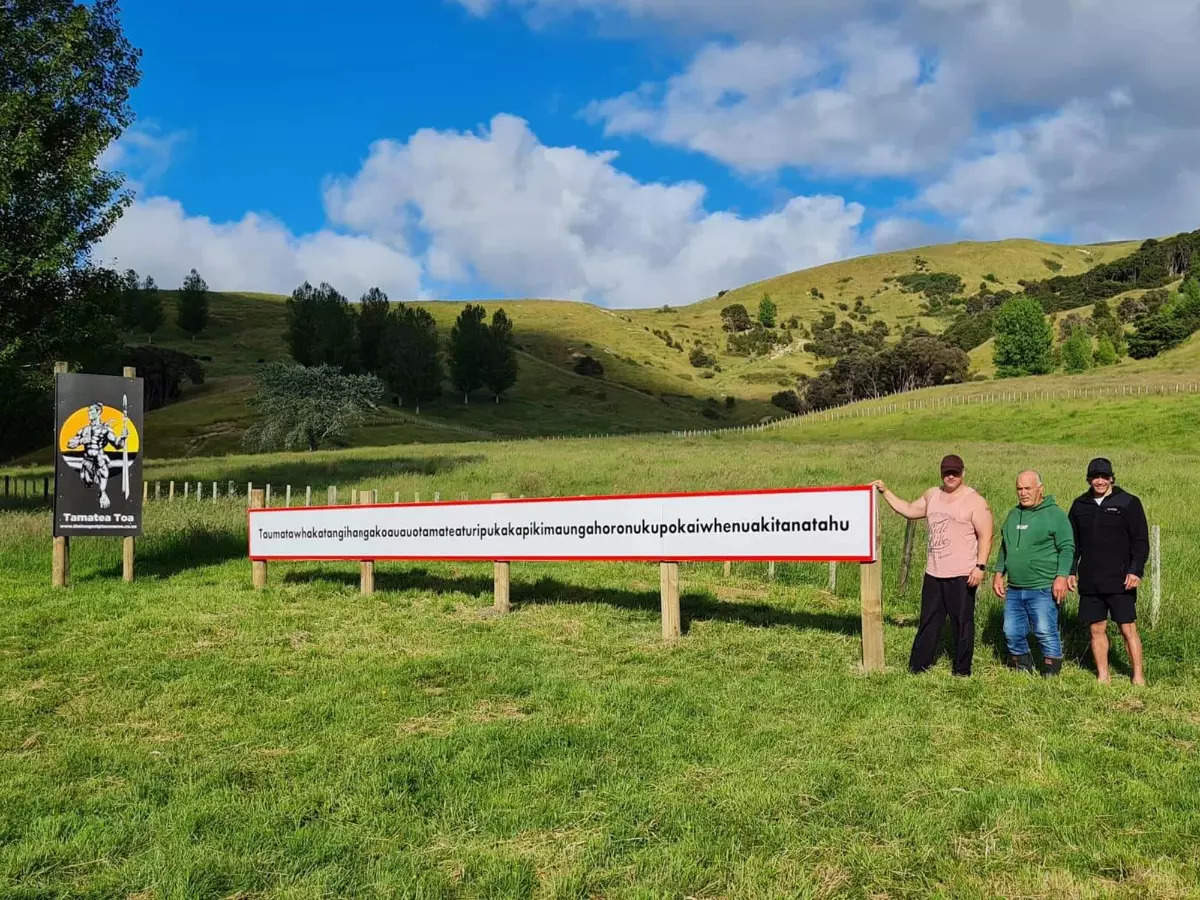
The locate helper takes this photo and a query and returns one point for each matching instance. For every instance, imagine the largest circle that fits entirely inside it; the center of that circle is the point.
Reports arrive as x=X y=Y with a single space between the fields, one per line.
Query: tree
x=1023 y=339
x=788 y=400
x=1155 y=333
x=1106 y=354
x=735 y=318
x=306 y=406
x=469 y=340
x=321 y=328
x=1105 y=324
x=500 y=367
x=373 y=312
x=66 y=71
x=193 y=304
x=1077 y=351
x=131 y=299
x=700 y=358
x=150 y=309
x=766 y=311
x=412 y=369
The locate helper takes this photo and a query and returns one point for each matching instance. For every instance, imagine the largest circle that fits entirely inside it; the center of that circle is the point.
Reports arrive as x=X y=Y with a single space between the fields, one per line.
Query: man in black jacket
x=1111 y=546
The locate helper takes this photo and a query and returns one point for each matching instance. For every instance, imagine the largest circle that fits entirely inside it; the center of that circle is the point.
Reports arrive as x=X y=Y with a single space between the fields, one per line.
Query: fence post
x=331 y=495
x=267 y=498
x=668 y=588
x=230 y=490
x=308 y=495
x=287 y=496
x=60 y=563
x=1155 y=574
x=186 y=486
x=728 y=567
x=214 y=492
x=501 y=599
x=171 y=491
x=157 y=490
x=871 y=601
x=771 y=569
x=833 y=578
x=906 y=560
x=258 y=567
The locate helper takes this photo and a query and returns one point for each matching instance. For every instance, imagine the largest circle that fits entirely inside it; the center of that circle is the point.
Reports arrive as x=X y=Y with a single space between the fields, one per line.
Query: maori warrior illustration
x=93 y=438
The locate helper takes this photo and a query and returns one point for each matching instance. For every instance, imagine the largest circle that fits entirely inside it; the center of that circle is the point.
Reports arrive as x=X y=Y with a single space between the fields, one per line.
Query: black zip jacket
x=1111 y=541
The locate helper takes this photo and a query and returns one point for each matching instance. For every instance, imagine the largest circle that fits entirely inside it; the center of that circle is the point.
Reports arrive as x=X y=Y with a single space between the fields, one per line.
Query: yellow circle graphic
x=109 y=416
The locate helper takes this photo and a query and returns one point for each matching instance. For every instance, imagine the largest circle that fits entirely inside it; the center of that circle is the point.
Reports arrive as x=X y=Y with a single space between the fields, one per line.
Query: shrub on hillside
x=788 y=400
x=586 y=365
x=735 y=318
x=700 y=358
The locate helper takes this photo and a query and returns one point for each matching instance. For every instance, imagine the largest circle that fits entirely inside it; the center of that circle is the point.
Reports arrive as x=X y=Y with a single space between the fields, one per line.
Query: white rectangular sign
x=797 y=524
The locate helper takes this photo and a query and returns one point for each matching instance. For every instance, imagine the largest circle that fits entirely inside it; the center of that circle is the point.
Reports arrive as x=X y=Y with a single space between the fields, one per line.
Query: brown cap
x=952 y=464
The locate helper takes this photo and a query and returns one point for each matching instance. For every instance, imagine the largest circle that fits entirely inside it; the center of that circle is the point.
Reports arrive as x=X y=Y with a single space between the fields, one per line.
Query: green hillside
x=647 y=384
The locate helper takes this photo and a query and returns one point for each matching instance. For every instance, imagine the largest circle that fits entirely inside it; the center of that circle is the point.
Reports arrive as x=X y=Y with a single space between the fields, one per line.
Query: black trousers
x=942 y=597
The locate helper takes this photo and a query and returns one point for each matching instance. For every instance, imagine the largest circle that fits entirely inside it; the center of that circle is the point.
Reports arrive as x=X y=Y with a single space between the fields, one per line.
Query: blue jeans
x=1031 y=609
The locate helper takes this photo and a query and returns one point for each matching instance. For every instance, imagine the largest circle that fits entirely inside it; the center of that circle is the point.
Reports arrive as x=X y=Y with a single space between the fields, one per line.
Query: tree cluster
x=915 y=362
x=833 y=339
x=1169 y=324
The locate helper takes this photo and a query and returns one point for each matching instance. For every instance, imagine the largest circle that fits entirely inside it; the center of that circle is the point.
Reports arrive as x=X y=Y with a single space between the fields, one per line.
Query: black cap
x=952 y=464
x=1100 y=467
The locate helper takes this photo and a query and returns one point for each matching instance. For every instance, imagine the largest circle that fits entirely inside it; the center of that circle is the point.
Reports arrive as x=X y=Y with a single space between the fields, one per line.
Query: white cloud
x=501 y=208
x=862 y=104
x=256 y=253
x=1058 y=116
x=143 y=153
x=1086 y=170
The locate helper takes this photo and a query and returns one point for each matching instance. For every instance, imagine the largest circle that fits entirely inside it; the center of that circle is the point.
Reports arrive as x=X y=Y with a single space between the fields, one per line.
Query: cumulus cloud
x=1002 y=109
x=256 y=253
x=1086 y=170
x=495 y=209
x=863 y=104
x=501 y=208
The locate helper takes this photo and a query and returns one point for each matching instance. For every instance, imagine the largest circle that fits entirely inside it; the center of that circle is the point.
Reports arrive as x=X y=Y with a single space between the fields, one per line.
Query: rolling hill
x=648 y=383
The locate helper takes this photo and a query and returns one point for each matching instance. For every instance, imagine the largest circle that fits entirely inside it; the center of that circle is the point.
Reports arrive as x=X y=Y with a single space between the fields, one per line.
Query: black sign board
x=97 y=455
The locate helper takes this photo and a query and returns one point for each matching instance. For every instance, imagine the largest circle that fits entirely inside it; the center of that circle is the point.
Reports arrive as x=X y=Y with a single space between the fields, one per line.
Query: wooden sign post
x=60 y=565
x=127 y=542
x=871 y=598
x=258 y=567
x=501 y=600
x=668 y=589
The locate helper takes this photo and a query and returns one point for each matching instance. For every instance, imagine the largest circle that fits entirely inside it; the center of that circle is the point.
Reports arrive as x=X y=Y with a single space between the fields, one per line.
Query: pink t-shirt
x=953 y=546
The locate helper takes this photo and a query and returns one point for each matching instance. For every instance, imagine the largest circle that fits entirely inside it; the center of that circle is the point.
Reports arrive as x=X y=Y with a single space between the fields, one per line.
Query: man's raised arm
x=914 y=510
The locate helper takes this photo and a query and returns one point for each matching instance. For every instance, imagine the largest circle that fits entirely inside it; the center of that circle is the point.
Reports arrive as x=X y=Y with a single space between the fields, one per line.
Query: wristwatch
x=981 y=567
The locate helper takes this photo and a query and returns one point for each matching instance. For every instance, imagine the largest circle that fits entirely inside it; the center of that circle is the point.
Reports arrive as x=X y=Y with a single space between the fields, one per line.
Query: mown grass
x=186 y=736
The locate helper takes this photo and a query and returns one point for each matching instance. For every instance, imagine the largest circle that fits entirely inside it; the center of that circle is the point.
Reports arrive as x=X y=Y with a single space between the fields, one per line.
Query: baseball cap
x=952 y=464
x=1100 y=467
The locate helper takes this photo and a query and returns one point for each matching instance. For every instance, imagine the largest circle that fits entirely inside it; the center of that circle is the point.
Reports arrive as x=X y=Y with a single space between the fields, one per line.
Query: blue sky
x=633 y=152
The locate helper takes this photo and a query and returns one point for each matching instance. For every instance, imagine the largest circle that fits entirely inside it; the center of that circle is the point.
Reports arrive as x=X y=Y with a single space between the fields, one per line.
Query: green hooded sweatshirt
x=1038 y=545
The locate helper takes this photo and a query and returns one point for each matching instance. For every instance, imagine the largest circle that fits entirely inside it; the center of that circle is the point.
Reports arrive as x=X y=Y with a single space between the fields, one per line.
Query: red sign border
x=595 y=497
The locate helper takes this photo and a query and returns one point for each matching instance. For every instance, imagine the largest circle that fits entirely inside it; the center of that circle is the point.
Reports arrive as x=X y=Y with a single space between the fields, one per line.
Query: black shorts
x=1098 y=607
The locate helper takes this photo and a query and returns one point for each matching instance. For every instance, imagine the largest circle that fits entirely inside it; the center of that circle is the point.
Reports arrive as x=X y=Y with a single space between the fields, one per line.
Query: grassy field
x=186 y=736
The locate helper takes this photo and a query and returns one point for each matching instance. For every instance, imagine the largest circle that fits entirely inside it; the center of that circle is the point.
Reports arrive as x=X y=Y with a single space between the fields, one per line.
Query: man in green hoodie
x=1036 y=552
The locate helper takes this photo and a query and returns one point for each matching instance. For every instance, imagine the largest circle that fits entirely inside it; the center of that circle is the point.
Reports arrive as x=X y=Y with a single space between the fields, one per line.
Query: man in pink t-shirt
x=960 y=541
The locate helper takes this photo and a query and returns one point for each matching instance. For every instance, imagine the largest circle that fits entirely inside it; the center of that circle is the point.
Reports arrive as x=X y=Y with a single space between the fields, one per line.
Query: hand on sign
x=879 y=485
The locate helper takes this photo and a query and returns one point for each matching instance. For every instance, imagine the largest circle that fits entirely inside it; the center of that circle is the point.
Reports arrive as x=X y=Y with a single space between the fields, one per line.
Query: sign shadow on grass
x=695 y=605
x=179 y=551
